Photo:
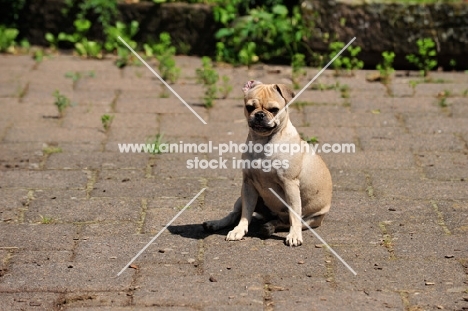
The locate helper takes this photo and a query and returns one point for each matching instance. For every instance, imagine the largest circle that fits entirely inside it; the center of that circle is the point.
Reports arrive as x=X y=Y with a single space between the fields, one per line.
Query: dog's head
x=262 y=104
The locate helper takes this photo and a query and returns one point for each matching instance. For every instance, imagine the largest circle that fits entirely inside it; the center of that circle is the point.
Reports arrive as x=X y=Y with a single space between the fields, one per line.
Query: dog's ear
x=285 y=92
x=250 y=84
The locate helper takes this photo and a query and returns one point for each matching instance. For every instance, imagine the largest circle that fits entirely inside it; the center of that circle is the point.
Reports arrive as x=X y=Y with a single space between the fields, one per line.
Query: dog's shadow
x=196 y=232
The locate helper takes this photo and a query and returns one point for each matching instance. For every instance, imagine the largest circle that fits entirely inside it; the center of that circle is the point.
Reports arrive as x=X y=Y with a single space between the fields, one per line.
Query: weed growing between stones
x=164 y=52
x=298 y=71
x=77 y=75
x=425 y=59
x=208 y=77
x=106 y=121
x=225 y=87
x=46 y=220
x=156 y=140
x=386 y=67
x=61 y=102
x=345 y=65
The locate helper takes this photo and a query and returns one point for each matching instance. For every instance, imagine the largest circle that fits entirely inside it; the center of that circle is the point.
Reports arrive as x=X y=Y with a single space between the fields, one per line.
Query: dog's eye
x=250 y=108
x=273 y=110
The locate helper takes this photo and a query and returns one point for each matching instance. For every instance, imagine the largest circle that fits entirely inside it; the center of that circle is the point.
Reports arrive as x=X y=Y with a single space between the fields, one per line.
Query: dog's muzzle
x=260 y=123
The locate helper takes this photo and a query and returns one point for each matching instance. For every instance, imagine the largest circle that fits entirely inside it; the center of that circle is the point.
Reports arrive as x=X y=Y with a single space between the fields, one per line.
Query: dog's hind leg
x=313 y=222
x=229 y=221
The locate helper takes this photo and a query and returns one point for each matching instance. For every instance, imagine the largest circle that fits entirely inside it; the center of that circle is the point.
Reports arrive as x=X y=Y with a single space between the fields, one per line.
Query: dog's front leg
x=293 y=199
x=249 y=200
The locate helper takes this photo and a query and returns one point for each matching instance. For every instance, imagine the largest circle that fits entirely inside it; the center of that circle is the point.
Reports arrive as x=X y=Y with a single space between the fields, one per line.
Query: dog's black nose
x=259 y=115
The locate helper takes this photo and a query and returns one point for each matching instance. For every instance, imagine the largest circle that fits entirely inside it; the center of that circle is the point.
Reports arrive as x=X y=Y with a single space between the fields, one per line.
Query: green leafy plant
x=386 y=67
x=225 y=87
x=247 y=54
x=53 y=40
x=126 y=32
x=298 y=71
x=105 y=10
x=83 y=46
x=208 y=77
x=425 y=59
x=7 y=39
x=345 y=64
x=106 y=121
x=38 y=55
x=310 y=140
x=265 y=33
x=82 y=26
x=164 y=52
x=61 y=102
x=86 y=48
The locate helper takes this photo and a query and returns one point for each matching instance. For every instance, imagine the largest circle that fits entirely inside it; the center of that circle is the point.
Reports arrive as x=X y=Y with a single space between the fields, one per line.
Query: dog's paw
x=236 y=234
x=294 y=238
x=210 y=226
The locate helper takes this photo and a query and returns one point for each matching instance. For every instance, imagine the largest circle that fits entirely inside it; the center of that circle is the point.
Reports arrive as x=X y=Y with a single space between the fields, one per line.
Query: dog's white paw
x=236 y=234
x=294 y=238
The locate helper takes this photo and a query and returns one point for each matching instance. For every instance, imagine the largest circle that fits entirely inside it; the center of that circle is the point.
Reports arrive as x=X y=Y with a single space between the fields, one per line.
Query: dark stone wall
x=192 y=24
x=378 y=27
x=392 y=27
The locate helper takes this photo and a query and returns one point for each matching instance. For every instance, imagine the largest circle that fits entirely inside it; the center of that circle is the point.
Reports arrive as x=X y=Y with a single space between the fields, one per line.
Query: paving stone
x=394 y=105
x=94 y=98
x=459 y=106
x=348 y=180
x=369 y=160
x=302 y=294
x=454 y=215
x=65 y=276
x=95 y=300
x=396 y=139
x=444 y=165
x=428 y=190
x=401 y=88
x=43 y=179
x=111 y=184
x=11 y=203
x=183 y=124
x=102 y=160
x=29 y=301
x=244 y=293
x=43 y=134
x=432 y=89
x=221 y=194
x=435 y=124
x=86 y=116
x=20 y=156
x=224 y=259
x=51 y=237
x=93 y=210
x=352 y=120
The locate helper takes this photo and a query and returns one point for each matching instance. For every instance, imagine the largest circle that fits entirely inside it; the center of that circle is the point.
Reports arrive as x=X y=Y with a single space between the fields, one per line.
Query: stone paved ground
x=71 y=220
